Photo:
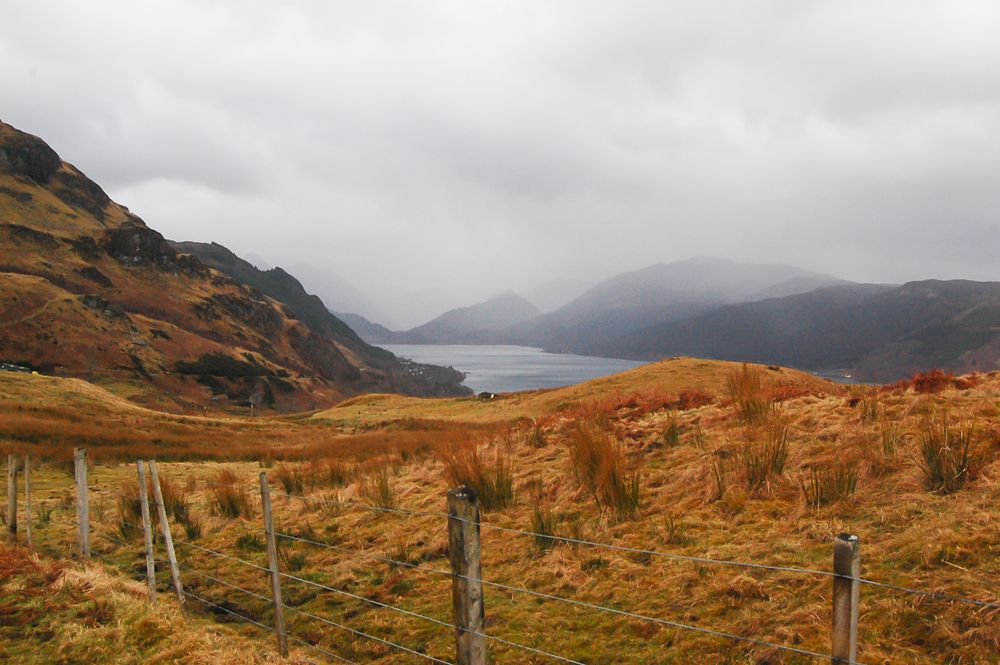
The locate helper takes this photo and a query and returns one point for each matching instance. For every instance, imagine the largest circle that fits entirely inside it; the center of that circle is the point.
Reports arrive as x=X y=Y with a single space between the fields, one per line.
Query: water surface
x=503 y=368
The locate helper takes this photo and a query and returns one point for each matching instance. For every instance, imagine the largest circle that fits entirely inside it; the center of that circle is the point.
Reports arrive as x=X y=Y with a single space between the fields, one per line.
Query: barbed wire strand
x=546 y=596
x=668 y=555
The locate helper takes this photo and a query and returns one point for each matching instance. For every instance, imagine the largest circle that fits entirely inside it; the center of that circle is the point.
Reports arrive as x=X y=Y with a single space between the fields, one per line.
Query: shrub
x=826 y=486
x=228 y=497
x=745 y=389
x=765 y=456
x=949 y=455
x=599 y=466
x=494 y=483
x=932 y=381
x=692 y=399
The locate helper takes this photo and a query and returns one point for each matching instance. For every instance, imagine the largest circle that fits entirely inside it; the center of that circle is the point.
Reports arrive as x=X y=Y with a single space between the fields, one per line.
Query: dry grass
x=745 y=387
x=493 y=481
x=230 y=497
x=893 y=510
x=599 y=466
x=949 y=454
x=822 y=487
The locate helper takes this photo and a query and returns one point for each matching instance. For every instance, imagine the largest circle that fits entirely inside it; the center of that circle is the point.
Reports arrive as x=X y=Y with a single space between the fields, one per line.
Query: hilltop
x=89 y=290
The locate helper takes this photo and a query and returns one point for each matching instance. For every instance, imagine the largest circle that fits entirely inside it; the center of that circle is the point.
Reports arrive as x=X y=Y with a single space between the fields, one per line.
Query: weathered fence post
x=466 y=584
x=147 y=532
x=846 y=570
x=27 y=500
x=12 y=494
x=272 y=560
x=82 y=501
x=168 y=540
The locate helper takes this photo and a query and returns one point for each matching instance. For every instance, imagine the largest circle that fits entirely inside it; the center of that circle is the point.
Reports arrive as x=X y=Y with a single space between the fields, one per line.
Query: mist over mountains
x=728 y=310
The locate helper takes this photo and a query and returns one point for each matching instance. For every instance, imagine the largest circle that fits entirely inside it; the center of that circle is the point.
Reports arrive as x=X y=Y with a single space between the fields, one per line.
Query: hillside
x=707 y=487
x=376 y=333
x=657 y=294
x=89 y=290
x=876 y=333
x=477 y=323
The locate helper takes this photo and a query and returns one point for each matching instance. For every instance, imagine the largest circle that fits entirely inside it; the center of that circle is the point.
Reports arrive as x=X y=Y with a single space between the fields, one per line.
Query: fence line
x=570 y=601
x=840 y=576
x=666 y=555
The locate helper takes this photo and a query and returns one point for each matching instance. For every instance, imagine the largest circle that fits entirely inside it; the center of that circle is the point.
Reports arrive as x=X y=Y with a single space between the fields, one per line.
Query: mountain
x=376 y=333
x=553 y=294
x=336 y=292
x=478 y=323
x=875 y=332
x=655 y=295
x=87 y=289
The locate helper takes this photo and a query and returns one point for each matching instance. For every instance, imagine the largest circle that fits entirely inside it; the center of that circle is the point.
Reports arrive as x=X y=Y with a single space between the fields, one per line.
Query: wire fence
x=467 y=583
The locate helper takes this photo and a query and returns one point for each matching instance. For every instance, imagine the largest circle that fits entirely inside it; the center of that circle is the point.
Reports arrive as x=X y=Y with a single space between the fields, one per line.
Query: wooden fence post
x=12 y=494
x=27 y=500
x=846 y=569
x=272 y=560
x=466 y=584
x=168 y=540
x=147 y=532
x=82 y=502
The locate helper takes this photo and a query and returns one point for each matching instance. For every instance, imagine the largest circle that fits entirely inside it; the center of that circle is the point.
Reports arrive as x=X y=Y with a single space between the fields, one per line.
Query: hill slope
x=89 y=290
x=477 y=323
x=653 y=295
x=876 y=332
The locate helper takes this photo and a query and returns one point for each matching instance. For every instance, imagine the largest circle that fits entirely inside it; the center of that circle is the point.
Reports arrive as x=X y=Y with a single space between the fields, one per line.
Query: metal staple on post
x=466 y=585
x=168 y=539
x=147 y=532
x=12 y=494
x=272 y=560
x=847 y=570
x=82 y=501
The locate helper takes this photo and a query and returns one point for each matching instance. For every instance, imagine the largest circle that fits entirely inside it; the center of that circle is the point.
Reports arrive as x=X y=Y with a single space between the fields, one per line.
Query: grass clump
x=291 y=478
x=765 y=455
x=829 y=485
x=745 y=387
x=949 y=456
x=599 y=466
x=228 y=497
x=671 y=434
x=376 y=487
x=493 y=481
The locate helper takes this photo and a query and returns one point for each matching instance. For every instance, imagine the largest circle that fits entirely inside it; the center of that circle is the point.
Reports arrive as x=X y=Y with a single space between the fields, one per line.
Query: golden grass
x=910 y=535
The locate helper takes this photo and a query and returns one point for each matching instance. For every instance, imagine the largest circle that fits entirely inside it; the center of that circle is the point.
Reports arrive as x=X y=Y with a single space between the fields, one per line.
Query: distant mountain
x=88 y=290
x=655 y=295
x=337 y=293
x=478 y=323
x=376 y=333
x=875 y=332
x=550 y=296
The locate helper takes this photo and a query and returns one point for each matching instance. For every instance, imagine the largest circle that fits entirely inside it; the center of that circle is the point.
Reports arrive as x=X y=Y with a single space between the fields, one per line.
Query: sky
x=425 y=155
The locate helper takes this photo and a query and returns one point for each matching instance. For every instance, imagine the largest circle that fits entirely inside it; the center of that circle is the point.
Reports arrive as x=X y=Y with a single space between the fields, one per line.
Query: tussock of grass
x=599 y=465
x=493 y=481
x=828 y=485
x=229 y=497
x=949 y=454
x=745 y=387
x=765 y=454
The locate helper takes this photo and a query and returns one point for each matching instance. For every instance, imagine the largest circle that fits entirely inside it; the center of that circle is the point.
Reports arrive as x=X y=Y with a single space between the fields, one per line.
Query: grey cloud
x=438 y=152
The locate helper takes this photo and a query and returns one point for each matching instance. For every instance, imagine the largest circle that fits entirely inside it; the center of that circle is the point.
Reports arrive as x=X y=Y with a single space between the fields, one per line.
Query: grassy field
x=687 y=457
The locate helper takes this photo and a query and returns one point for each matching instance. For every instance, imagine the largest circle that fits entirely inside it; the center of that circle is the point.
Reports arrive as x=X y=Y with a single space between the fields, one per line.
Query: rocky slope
x=87 y=289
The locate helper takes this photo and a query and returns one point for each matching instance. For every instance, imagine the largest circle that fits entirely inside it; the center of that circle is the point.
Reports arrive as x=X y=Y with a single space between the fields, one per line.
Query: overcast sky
x=435 y=153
